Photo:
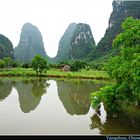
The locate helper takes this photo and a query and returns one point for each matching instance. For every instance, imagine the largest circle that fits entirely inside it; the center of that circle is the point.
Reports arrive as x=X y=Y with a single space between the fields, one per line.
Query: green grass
x=85 y=74
x=16 y=72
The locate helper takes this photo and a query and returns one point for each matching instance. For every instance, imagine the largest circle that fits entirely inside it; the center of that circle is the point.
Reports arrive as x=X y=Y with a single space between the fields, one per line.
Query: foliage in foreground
x=124 y=68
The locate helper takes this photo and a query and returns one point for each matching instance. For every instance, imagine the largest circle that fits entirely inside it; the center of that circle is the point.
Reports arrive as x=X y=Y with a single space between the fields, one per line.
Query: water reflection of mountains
x=29 y=91
x=75 y=95
x=5 y=88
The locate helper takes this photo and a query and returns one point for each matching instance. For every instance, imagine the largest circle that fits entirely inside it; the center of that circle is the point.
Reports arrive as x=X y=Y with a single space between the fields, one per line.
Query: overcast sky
x=52 y=17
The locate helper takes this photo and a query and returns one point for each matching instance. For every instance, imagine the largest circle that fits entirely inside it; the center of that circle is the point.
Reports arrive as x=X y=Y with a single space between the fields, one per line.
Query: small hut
x=65 y=67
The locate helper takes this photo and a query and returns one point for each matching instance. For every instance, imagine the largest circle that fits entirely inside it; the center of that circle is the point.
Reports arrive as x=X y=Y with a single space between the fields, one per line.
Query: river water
x=51 y=107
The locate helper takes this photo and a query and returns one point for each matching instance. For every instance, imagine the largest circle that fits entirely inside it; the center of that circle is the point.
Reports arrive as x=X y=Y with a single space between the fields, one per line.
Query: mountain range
x=77 y=42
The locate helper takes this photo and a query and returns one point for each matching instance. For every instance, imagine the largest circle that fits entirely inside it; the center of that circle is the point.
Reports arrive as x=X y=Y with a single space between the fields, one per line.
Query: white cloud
x=52 y=17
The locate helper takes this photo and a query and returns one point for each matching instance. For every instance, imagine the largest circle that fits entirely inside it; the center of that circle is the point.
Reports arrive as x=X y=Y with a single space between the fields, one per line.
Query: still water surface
x=42 y=106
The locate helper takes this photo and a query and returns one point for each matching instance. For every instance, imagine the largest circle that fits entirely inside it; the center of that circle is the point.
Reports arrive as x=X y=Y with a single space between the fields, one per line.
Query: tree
x=8 y=62
x=39 y=64
x=124 y=68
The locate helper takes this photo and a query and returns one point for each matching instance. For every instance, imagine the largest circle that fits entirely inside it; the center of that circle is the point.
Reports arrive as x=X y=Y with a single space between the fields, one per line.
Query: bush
x=26 y=65
x=78 y=65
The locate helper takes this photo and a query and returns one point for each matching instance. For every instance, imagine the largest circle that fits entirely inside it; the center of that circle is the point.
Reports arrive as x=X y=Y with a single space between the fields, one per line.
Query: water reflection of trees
x=5 y=88
x=120 y=124
x=75 y=95
x=30 y=92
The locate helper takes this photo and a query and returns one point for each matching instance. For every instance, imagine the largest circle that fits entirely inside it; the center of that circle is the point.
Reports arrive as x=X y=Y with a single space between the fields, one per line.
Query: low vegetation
x=39 y=66
x=85 y=74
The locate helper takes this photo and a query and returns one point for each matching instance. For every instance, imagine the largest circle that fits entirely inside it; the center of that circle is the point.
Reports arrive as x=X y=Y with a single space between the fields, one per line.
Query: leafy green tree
x=8 y=62
x=124 y=68
x=39 y=64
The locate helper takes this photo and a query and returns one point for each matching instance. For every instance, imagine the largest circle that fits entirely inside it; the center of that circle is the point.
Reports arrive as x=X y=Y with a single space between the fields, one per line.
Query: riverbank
x=56 y=73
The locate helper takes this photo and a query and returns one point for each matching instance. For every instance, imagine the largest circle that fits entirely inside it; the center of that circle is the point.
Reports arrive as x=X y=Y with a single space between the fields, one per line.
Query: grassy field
x=83 y=74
